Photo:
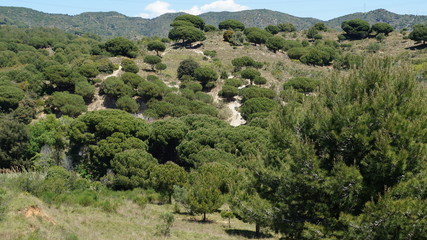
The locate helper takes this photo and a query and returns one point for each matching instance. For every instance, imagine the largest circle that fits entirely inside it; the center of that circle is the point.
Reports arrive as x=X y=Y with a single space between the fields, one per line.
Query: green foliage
x=132 y=168
x=13 y=143
x=204 y=195
x=256 y=92
x=9 y=97
x=297 y=52
x=419 y=33
x=275 y=43
x=84 y=89
x=235 y=82
x=210 y=28
x=228 y=92
x=356 y=28
x=160 y=67
x=127 y=104
x=210 y=53
x=186 y=34
x=197 y=21
x=88 y=70
x=231 y=24
x=227 y=35
x=273 y=29
x=257 y=36
x=187 y=67
x=260 y=80
x=380 y=37
x=384 y=28
x=289 y=44
x=339 y=137
x=245 y=61
x=206 y=76
x=157 y=46
x=250 y=73
x=165 y=177
x=320 y=27
x=129 y=66
x=287 y=27
x=131 y=79
x=121 y=46
x=303 y=85
x=192 y=85
x=255 y=106
x=165 y=136
x=8 y=59
x=152 y=60
x=163 y=229
x=115 y=87
x=312 y=33
x=67 y=104
x=102 y=134
x=373 y=47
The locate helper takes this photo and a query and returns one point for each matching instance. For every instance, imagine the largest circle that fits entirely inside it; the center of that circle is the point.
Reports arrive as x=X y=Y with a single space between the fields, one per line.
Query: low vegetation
x=131 y=139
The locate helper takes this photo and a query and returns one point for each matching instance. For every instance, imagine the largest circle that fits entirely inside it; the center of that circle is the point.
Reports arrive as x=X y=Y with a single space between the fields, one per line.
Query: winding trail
x=98 y=102
x=236 y=118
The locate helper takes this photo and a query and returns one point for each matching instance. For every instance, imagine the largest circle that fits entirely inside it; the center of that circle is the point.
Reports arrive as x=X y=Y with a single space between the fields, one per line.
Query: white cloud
x=217 y=6
x=158 y=8
x=155 y=9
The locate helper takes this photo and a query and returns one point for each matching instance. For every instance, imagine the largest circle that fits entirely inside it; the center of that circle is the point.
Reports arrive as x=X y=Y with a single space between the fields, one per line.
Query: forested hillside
x=111 y=24
x=216 y=132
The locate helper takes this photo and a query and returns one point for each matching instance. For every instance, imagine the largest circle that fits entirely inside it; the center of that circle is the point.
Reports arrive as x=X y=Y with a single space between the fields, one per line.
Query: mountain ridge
x=112 y=23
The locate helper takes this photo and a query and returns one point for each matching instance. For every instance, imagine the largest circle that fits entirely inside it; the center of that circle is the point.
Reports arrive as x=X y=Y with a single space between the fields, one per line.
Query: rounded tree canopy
x=273 y=29
x=121 y=46
x=187 y=67
x=197 y=21
x=205 y=75
x=157 y=46
x=419 y=33
x=382 y=28
x=287 y=27
x=275 y=43
x=187 y=34
x=231 y=24
x=257 y=36
x=356 y=28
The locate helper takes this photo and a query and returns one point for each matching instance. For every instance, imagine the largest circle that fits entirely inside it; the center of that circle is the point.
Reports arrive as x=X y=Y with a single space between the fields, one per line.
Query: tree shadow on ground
x=195 y=220
x=417 y=47
x=247 y=234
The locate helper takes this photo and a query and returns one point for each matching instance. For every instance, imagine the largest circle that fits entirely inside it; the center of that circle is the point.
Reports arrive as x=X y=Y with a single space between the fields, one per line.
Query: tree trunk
x=257 y=229
x=170 y=198
x=204 y=217
x=229 y=222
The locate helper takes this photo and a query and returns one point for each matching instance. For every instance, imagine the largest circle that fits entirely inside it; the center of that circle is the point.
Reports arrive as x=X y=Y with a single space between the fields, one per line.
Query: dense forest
x=314 y=134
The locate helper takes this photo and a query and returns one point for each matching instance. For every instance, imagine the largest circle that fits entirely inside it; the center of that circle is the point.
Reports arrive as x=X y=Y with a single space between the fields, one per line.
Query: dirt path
x=98 y=102
x=236 y=118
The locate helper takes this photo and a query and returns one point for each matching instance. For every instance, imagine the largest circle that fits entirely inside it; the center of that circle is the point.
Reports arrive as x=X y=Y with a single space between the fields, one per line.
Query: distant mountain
x=380 y=15
x=111 y=24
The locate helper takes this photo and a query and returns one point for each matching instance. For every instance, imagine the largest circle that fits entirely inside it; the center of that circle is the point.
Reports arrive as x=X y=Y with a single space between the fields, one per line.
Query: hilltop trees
x=152 y=60
x=187 y=28
x=419 y=33
x=231 y=24
x=156 y=46
x=356 y=28
x=382 y=28
x=121 y=47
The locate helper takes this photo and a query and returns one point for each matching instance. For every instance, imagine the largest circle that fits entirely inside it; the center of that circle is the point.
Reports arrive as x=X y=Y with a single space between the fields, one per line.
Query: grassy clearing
x=28 y=217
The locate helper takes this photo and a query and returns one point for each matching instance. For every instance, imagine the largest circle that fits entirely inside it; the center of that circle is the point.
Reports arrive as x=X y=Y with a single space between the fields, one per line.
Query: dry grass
x=129 y=222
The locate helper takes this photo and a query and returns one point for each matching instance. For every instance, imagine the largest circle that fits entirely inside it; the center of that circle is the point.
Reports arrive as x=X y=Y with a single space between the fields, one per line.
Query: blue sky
x=322 y=9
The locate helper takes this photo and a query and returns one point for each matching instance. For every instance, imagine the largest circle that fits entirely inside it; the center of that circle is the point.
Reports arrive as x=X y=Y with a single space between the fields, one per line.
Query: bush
x=127 y=104
x=297 y=53
x=67 y=104
x=255 y=106
x=129 y=66
x=235 y=82
x=163 y=229
x=256 y=92
x=228 y=92
x=300 y=84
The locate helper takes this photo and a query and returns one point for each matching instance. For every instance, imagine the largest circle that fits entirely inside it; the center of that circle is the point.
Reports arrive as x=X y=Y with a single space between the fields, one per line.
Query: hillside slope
x=111 y=24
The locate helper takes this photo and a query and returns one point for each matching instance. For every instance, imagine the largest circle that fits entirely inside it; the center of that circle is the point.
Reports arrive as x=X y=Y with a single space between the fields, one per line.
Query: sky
x=321 y=9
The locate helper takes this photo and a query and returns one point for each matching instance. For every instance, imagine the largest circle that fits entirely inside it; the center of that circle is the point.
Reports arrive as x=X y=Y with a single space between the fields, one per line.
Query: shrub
x=303 y=85
x=129 y=66
x=163 y=229
x=228 y=92
x=297 y=53
x=127 y=104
